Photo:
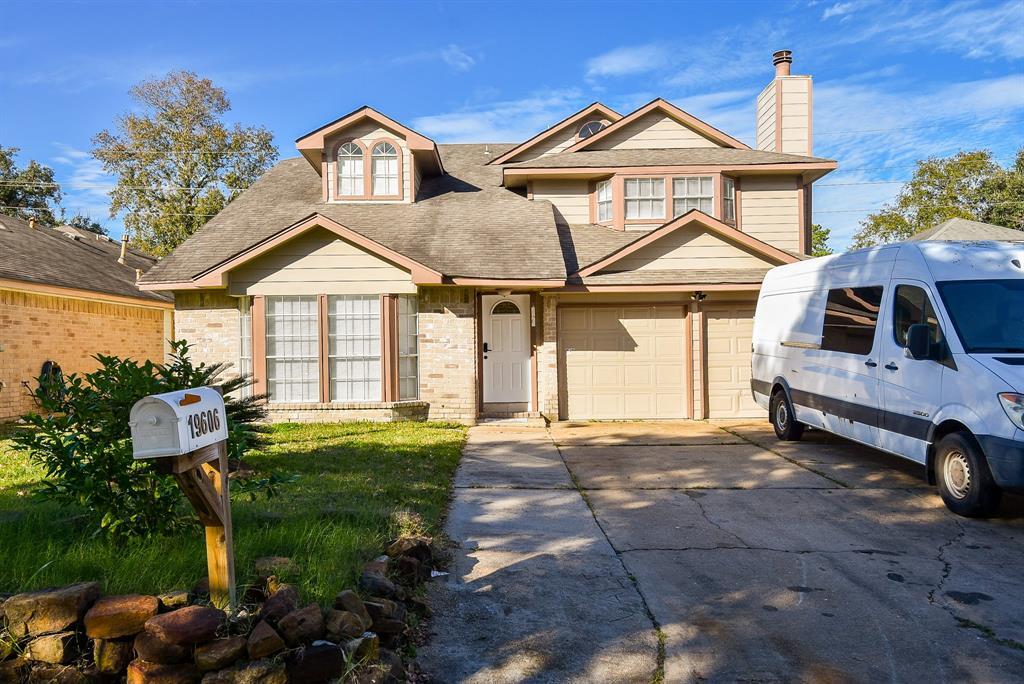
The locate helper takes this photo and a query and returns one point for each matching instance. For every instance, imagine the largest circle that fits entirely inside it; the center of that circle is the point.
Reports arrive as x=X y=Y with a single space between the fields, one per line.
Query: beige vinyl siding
x=319 y=262
x=770 y=210
x=368 y=133
x=689 y=248
x=766 y=119
x=729 y=333
x=558 y=142
x=570 y=197
x=796 y=110
x=653 y=131
x=623 y=362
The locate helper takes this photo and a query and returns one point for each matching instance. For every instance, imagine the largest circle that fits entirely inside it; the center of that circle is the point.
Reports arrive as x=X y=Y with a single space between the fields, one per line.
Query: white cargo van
x=916 y=349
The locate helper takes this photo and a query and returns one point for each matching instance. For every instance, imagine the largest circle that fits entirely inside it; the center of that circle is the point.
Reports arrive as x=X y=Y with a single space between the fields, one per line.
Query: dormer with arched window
x=367 y=157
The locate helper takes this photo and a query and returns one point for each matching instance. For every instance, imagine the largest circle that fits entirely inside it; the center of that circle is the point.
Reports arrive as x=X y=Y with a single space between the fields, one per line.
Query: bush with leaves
x=83 y=441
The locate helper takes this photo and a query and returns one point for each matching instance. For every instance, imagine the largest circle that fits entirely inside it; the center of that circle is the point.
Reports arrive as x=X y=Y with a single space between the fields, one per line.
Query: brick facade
x=547 y=361
x=448 y=353
x=210 y=323
x=35 y=328
x=376 y=412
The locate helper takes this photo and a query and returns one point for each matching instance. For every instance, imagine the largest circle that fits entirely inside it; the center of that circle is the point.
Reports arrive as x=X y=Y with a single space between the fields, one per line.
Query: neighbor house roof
x=50 y=257
x=463 y=223
x=683 y=156
x=965 y=229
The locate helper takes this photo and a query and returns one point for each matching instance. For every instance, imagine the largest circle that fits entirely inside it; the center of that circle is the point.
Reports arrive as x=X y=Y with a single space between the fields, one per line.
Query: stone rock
x=275 y=565
x=145 y=672
x=201 y=588
x=119 y=616
x=189 y=625
x=343 y=625
x=255 y=672
x=389 y=627
x=60 y=674
x=263 y=641
x=13 y=671
x=394 y=670
x=173 y=600
x=350 y=601
x=379 y=608
x=302 y=626
x=411 y=571
x=365 y=648
x=320 y=662
x=54 y=610
x=416 y=546
x=112 y=656
x=220 y=653
x=282 y=602
x=373 y=583
x=152 y=648
x=59 y=648
x=6 y=643
x=378 y=566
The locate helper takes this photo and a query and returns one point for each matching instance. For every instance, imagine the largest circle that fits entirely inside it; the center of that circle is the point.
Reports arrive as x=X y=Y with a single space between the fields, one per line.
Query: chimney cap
x=780 y=56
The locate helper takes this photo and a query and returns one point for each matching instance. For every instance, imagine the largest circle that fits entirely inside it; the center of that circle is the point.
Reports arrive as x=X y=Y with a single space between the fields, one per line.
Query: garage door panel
x=729 y=332
x=626 y=361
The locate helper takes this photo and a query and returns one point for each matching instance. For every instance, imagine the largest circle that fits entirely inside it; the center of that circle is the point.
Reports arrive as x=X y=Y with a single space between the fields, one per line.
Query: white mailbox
x=176 y=423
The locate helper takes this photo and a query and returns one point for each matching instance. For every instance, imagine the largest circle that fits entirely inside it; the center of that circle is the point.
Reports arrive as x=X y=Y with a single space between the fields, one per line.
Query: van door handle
x=891 y=366
x=870 y=364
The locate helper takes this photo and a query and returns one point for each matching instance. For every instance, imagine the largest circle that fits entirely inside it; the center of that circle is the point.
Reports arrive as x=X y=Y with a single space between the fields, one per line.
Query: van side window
x=912 y=305
x=851 y=314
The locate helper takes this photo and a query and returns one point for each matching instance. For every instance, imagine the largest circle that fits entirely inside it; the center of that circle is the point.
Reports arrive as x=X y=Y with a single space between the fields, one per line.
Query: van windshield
x=988 y=314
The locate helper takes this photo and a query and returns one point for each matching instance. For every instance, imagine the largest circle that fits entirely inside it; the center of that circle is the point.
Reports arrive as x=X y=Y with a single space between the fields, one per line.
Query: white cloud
x=456 y=58
x=503 y=121
x=83 y=182
x=837 y=10
x=628 y=61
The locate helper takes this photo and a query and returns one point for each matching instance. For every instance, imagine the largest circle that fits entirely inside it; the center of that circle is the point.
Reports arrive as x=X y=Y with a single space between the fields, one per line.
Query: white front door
x=507 y=349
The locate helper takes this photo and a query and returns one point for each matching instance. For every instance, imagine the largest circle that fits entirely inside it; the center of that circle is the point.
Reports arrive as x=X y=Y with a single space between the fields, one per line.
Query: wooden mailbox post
x=187 y=431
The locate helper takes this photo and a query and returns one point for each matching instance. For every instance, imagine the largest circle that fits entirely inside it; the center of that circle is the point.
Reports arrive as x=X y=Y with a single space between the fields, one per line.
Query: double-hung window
x=354 y=347
x=385 y=169
x=645 y=198
x=408 y=347
x=245 y=344
x=350 y=170
x=729 y=200
x=604 y=201
x=293 y=351
x=693 y=192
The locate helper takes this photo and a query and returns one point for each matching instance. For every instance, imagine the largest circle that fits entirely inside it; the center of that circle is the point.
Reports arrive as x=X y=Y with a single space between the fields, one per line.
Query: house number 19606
x=203 y=422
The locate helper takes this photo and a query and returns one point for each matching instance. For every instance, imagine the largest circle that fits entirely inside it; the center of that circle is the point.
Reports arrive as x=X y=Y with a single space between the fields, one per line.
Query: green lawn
x=359 y=485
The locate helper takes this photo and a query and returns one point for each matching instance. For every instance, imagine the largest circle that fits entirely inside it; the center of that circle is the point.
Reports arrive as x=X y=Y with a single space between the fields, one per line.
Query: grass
x=359 y=485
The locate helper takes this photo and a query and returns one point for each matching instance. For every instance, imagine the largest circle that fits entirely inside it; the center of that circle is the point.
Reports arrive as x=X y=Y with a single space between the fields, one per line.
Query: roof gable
x=669 y=110
x=313 y=143
x=648 y=250
x=572 y=122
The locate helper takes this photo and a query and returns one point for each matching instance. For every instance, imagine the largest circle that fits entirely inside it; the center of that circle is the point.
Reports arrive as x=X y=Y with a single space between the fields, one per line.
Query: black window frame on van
x=837 y=301
x=937 y=334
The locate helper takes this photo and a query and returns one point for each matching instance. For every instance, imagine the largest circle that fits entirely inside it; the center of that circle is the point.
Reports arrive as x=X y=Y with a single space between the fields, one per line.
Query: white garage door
x=623 y=362
x=729 y=331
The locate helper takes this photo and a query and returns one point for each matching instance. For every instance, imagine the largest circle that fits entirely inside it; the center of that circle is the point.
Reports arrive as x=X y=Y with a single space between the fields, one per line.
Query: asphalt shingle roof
x=964 y=229
x=685 y=156
x=47 y=256
x=690 y=277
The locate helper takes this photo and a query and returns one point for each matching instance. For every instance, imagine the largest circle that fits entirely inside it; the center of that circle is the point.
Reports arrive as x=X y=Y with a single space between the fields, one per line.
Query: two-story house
x=606 y=268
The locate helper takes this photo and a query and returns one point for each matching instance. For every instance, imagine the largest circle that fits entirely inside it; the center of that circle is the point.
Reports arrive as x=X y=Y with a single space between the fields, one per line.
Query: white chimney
x=784 y=110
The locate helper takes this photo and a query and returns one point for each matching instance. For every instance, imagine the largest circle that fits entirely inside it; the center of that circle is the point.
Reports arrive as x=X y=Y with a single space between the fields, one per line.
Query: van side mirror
x=919 y=341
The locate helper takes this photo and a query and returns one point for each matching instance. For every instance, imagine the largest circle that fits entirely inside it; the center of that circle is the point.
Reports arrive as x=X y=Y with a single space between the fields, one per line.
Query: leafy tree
x=819 y=240
x=85 y=222
x=966 y=185
x=28 y=192
x=177 y=163
x=84 y=442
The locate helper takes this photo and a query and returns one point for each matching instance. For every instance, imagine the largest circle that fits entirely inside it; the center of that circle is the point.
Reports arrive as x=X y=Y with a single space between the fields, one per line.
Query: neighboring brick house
x=606 y=268
x=64 y=297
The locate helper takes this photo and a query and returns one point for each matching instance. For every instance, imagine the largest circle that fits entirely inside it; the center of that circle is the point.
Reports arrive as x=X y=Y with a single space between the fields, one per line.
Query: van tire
x=964 y=480
x=780 y=413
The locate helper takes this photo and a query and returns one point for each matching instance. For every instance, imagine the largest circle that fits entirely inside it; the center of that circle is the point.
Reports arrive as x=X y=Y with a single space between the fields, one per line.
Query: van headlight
x=1013 y=404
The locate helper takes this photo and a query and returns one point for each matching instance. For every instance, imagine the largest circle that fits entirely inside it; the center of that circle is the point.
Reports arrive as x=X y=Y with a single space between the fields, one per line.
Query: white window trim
x=728 y=199
x=371 y=360
x=385 y=177
x=605 y=207
x=698 y=197
x=357 y=177
x=413 y=317
x=271 y=358
x=654 y=197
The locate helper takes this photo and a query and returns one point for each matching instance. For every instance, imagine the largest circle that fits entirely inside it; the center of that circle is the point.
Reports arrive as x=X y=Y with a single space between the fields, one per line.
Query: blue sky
x=894 y=81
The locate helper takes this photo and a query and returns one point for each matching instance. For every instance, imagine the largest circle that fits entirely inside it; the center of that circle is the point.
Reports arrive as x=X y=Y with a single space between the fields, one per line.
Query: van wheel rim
x=782 y=415
x=957 y=472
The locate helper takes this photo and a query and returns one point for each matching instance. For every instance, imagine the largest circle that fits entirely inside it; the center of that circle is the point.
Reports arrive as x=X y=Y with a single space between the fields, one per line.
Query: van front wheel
x=965 y=482
x=781 y=414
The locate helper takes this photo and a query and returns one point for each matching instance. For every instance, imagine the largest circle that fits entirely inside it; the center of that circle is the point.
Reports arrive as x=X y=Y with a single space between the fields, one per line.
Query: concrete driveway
x=693 y=551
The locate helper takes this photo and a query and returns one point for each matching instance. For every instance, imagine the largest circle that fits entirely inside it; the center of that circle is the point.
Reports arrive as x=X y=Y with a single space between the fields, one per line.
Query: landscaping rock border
x=73 y=635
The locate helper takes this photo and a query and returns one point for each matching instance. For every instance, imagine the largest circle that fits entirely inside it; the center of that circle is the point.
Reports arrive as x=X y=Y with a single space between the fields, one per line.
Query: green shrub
x=83 y=441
